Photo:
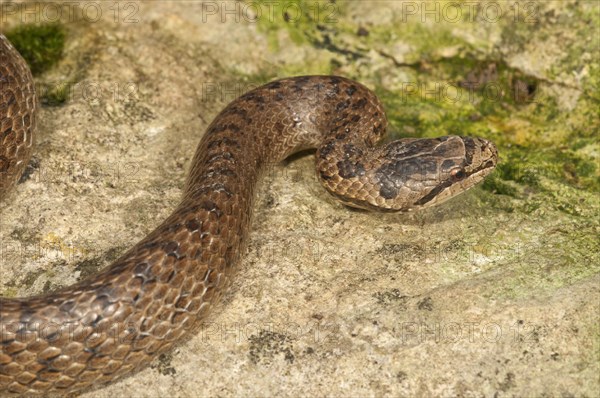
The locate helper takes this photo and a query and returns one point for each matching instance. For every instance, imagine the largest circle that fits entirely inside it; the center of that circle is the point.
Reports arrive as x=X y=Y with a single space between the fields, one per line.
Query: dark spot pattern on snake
x=161 y=289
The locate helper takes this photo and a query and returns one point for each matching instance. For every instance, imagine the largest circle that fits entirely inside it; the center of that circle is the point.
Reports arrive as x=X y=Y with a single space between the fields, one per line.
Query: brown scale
x=117 y=321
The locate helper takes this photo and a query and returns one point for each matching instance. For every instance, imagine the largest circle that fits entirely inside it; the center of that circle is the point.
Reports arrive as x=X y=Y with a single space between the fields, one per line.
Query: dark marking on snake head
x=458 y=174
x=449 y=147
x=350 y=169
x=486 y=165
x=413 y=167
x=351 y=90
x=399 y=150
x=448 y=165
x=469 y=149
x=393 y=176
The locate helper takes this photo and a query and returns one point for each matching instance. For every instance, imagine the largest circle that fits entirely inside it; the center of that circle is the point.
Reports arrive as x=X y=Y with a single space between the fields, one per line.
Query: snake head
x=406 y=174
x=418 y=173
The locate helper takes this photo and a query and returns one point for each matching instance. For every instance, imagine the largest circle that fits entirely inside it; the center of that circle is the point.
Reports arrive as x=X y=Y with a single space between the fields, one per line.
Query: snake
x=156 y=294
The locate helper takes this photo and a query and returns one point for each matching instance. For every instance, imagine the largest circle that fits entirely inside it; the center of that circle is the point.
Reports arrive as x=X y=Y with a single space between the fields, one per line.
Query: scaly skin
x=117 y=321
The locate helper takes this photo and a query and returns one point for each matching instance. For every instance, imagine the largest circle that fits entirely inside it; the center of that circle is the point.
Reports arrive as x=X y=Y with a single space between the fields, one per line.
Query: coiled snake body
x=138 y=307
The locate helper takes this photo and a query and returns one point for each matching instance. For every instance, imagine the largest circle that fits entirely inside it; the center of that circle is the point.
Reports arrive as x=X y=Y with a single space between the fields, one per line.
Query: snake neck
x=274 y=121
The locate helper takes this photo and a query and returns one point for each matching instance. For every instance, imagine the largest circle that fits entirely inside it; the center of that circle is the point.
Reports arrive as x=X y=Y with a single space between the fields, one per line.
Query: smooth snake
x=117 y=321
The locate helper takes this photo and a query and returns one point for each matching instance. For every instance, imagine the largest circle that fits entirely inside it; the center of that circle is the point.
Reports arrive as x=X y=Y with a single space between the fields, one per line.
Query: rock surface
x=495 y=293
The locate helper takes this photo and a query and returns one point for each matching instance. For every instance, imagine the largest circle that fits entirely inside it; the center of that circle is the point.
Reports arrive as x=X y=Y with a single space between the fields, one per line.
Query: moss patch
x=40 y=45
x=302 y=19
x=436 y=82
x=42 y=48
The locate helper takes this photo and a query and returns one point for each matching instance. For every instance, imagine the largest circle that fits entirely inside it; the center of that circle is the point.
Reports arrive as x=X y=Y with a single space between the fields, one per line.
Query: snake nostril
x=493 y=150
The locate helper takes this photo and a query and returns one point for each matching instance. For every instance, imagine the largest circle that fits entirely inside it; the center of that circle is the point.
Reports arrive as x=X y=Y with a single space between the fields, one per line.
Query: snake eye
x=458 y=174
